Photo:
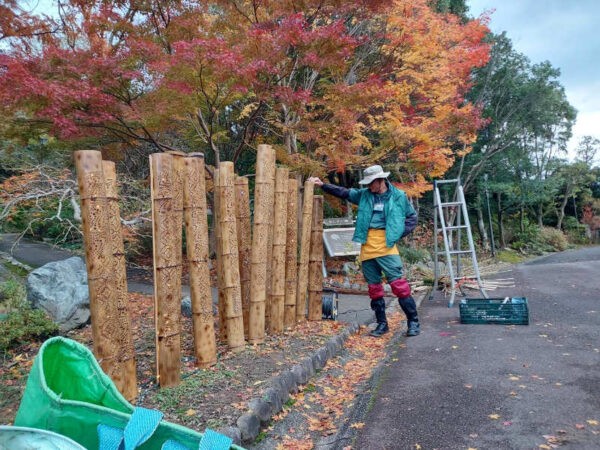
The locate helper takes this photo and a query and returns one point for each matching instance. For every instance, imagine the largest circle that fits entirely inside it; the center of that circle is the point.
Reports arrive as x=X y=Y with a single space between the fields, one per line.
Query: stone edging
x=262 y=409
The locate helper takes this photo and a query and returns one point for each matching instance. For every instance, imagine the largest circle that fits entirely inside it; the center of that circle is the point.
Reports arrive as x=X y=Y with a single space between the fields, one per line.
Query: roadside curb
x=262 y=409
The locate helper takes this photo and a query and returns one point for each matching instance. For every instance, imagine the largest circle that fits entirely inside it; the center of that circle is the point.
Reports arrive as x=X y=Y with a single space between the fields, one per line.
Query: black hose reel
x=330 y=304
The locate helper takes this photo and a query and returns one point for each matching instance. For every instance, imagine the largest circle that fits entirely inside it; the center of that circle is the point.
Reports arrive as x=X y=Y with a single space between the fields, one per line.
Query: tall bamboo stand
x=263 y=210
x=279 y=250
x=111 y=336
x=167 y=269
x=196 y=233
x=244 y=233
x=230 y=258
x=291 y=255
x=114 y=236
x=307 y=212
x=315 y=265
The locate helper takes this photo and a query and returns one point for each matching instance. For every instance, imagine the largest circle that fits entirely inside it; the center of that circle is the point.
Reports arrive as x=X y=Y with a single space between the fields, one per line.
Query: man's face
x=377 y=185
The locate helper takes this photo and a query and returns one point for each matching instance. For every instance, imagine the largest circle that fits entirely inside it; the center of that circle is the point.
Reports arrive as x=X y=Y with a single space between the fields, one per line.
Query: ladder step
x=451 y=204
x=446 y=181
x=457 y=227
x=459 y=252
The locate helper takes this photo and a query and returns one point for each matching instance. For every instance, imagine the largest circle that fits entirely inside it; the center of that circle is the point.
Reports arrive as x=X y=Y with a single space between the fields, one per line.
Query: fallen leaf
x=190 y=412
x=507 y=423
x=454 y=347
x=357 y=425
x=468 y=386
x=494 y=416
x=544 y=446
x=514 y=378
x=579 y=426
x=592 y=422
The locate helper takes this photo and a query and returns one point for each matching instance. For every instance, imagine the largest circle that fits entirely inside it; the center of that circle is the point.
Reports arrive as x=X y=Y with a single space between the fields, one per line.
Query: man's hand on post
x=316 y=180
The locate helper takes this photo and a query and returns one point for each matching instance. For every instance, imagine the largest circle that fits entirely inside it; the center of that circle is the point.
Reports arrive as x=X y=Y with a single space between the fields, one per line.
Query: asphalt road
x=459 y=386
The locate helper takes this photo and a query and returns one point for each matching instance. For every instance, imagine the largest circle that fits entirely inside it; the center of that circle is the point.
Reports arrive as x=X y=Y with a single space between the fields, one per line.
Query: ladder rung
x=456 y=227
x=457 y=252
x=446 y=181
x=451 y=203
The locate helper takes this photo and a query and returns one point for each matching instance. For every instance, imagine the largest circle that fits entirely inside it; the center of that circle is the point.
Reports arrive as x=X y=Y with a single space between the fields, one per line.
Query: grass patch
x=510 y=257
x=15 y=270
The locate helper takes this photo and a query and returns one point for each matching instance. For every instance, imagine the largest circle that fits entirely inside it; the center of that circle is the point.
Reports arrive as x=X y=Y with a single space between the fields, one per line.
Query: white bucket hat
x=372 y=173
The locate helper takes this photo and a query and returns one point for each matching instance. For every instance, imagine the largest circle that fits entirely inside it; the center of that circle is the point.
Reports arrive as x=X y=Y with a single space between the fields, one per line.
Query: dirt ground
x=213 y=397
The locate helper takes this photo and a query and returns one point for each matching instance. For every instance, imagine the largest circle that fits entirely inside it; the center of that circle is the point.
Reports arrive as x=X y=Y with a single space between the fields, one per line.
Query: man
x=384 y=217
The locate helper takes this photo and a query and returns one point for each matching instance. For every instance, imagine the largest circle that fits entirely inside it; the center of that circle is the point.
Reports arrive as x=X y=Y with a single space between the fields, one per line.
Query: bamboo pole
x=128 y=385
x=219 y=259
x=307 y=212
x=196 y=233
x=279 y=250
x=110 y=343
x=244 y=232
x=167 y=269
x=230 y=258
x=291 y=255
x=315 y=269
x=263 y=209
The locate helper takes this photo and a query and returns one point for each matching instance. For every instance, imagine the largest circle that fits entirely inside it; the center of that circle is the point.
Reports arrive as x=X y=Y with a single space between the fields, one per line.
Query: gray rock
x=249 y=425
x=309 y=366
x=319 y=359
x=274 y=398
x=288 y=382
x=349 y=268
x=186 y=306
x=261 y=408
x=300 y=374
x=60 y=288
x=233 y=433
x=333 y=347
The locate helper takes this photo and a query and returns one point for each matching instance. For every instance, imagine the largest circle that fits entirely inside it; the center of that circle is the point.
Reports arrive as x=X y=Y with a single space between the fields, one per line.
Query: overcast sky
x=564 y=32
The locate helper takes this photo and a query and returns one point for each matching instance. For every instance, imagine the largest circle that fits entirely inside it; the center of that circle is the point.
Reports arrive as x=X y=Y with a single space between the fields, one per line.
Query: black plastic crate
x=505 y=311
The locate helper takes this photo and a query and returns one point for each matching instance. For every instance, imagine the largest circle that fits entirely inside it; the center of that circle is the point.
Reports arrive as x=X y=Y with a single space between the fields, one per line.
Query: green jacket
x=401 y=217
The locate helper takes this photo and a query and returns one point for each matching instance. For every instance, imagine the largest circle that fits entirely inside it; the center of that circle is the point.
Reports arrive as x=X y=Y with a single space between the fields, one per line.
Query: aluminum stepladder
x=452 y=235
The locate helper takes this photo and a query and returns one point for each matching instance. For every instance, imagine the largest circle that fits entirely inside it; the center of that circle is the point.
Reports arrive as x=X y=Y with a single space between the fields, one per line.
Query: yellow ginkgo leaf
x=592 y=422
x=494 y=416
x=190 y=412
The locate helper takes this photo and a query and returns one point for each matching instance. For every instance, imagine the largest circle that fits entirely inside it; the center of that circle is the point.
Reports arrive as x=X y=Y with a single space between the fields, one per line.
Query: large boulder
x=60 y=288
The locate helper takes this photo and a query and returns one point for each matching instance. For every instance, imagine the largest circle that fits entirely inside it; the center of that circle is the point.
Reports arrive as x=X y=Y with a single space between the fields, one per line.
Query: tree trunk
x=561 y=211
x=485 y=242
x=500 y=221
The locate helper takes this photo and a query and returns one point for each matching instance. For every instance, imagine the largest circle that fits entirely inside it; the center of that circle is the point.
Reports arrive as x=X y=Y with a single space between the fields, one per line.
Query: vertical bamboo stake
x=244 y=232
x=167 y=270
x=230 y=258
x=291 y=254
x=219 y=259
x=100 y=263
x=123 y=337
x=315 y=269
x=196 y=233
x=307 y=212
x=279 y=242
x=263 y=209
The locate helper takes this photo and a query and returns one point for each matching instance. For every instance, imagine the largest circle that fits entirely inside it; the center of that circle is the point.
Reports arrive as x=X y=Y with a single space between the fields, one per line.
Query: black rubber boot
x=409 y=307
x=378 y=305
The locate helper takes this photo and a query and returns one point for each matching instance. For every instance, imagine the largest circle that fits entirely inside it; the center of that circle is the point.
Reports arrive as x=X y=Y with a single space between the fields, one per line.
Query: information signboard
x=338 y=242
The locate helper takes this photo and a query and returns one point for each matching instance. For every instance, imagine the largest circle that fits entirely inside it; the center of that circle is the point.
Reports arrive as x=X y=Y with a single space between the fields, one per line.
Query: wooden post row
x=291 y=255
x=307 y=212
x=166 y=227
x=279 y=250
x=263 y=210
x=315 y=269
x=112 y=342
x=196 y=233
x=230 y=258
